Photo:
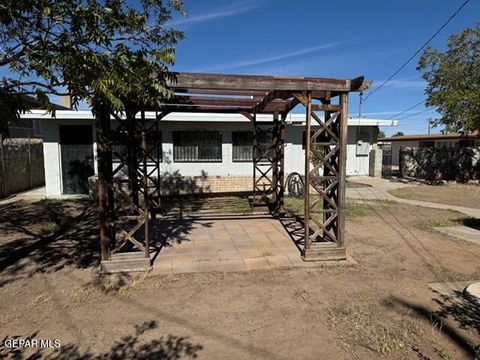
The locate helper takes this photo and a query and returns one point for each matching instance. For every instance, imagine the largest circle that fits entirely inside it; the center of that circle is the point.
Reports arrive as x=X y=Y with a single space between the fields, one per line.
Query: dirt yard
x=450 y=194
x=380 y=308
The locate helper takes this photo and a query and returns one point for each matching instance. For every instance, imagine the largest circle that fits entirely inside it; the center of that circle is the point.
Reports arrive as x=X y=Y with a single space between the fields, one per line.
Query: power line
x=417 y=113
x=404 y=111
x=418 y=51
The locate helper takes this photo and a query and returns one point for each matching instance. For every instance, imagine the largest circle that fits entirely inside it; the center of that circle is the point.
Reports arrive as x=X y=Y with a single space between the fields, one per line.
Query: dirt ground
x=450 y=194
x=380 y=308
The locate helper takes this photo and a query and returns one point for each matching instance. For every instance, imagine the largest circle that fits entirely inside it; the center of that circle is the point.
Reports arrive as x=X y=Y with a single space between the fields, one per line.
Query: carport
x=130 y=206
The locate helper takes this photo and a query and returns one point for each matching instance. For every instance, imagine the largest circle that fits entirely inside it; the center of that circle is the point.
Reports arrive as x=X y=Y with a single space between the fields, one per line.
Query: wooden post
x=308 y=120
x=254 y=154
x=342 y=169
x=102 y=119
x=275 y=154
x=146 y=194
x=281 y=192
x=132 y=158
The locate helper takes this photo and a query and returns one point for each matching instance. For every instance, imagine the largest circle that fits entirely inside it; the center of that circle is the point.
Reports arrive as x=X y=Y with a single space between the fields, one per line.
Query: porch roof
x=197 y=92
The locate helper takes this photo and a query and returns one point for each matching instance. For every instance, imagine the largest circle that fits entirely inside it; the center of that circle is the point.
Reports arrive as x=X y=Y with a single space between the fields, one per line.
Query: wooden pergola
x=127 y=206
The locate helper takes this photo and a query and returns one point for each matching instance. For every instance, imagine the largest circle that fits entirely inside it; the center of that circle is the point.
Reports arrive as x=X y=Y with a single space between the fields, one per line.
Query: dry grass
x=266 y=253
x=467 y=195
x=365 y=323
x=431 y=224
x=44 y=228
x=294 y=206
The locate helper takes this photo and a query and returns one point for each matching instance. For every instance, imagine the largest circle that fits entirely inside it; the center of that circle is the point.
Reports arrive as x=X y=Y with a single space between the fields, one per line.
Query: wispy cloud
x=222 y=12
x=268 y=59
x=408 y=83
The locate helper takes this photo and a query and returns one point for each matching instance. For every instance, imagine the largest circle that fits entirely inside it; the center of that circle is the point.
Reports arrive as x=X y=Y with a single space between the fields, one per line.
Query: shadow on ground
x=167 y=347
x=47 y=236
x=464 y=314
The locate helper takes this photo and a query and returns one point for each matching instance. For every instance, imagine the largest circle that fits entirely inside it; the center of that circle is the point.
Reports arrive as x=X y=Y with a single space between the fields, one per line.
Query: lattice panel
x=323 y=164
x=136 y=147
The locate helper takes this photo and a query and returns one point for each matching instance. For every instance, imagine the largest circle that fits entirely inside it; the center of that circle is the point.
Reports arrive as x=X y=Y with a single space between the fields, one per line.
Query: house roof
x=447 y=136
x=293 y=119
x=33 y=103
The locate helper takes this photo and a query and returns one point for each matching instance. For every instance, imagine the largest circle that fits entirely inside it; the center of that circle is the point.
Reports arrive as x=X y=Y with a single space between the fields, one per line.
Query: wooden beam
x=262 y=83
x=215 y=101
x=231 y=92
x=271 y=97
x=248 y=115
x=326 y=107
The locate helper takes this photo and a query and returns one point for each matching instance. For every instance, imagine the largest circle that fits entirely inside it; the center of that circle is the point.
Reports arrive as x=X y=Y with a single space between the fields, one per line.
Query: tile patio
x=226 y=245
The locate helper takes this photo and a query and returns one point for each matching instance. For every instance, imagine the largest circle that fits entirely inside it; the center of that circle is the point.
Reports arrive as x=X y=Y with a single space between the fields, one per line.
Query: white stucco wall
x=51 y=152
x=294 y=154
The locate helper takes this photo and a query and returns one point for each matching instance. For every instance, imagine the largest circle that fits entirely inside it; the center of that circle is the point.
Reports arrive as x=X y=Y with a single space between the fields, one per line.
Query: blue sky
x=327 y=39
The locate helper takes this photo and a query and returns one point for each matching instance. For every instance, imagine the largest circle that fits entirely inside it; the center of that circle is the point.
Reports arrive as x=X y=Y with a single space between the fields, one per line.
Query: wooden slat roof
x=199 y=92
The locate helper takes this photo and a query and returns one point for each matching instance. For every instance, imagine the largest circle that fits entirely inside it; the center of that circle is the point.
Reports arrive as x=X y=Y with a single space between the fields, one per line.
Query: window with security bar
x=242 y=142
x=197 y=146
x=322 y=138
x=120 y=148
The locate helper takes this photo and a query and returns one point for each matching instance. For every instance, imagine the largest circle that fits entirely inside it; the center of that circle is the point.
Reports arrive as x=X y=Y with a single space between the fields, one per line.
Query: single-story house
x=213 y=147
x=428 y=140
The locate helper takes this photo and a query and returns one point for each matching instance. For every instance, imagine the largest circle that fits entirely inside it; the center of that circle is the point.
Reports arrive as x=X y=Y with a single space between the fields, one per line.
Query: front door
x=76 y=151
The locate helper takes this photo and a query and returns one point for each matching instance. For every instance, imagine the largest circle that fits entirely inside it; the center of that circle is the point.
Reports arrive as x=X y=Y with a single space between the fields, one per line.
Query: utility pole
x=360 y=104
x=429 y=125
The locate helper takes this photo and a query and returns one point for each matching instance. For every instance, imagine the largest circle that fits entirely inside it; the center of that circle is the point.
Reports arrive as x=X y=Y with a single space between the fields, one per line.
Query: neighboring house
x=216 y=147
x=428 y=140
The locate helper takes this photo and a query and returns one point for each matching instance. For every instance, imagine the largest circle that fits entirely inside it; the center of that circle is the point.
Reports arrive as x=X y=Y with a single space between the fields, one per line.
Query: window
x=242 y=142
x=197 y=146
x=153 y=138
x=322 y=138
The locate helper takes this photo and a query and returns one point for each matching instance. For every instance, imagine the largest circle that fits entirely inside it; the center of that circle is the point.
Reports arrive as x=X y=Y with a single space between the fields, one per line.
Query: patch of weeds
x=364 y=324
x=81 y=294
x=266 y=253
x=442 y=354
x=45 y=228
x=55 y=202
x=41 y=299
x=356 y=210
x=295 y=206
x=20 y=203
x=449 y=222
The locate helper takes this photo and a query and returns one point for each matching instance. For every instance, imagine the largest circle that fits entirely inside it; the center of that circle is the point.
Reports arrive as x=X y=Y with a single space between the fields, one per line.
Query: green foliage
x=111 y=53
x=398 y=133
x=454 y=81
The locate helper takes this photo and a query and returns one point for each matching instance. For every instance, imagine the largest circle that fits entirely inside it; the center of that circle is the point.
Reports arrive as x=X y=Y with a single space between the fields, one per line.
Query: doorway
x=76 y=151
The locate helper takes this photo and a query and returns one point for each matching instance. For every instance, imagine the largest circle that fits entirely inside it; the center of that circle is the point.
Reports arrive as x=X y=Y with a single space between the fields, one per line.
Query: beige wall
x=21 y=166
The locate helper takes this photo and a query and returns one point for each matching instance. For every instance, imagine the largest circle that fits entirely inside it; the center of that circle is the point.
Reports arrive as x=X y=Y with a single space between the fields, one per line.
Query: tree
x=106 y=52
x=398 y=133
x=454 y=80
x=381 y=134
